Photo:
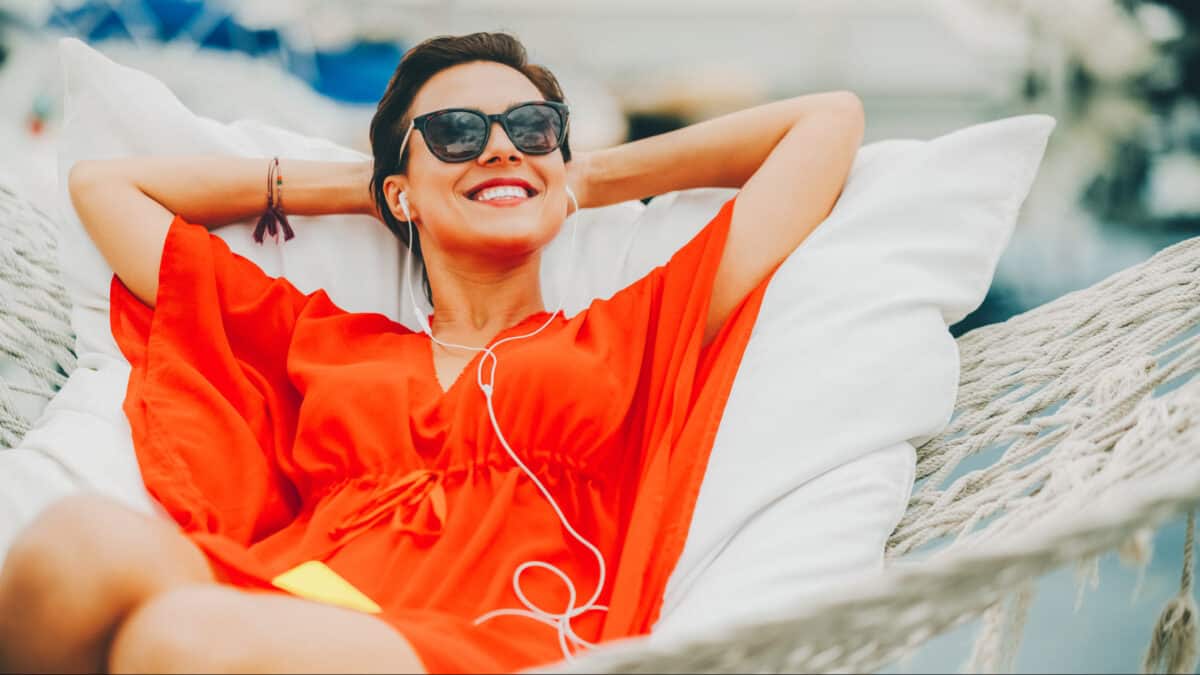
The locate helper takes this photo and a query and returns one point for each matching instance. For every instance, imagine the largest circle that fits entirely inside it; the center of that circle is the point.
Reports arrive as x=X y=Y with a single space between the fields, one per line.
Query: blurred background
x=1121 y=177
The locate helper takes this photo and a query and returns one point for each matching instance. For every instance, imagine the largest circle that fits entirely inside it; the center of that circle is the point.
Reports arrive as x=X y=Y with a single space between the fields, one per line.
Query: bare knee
x=59 y=554
x=72 y=574
x=93 y=539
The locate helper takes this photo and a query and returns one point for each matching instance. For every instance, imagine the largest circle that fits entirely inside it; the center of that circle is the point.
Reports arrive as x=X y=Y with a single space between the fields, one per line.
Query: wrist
x=582 y=178
x=360 y=185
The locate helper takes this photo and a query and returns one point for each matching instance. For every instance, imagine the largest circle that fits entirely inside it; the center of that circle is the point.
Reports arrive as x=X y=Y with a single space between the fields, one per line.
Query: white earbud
x=402 y=200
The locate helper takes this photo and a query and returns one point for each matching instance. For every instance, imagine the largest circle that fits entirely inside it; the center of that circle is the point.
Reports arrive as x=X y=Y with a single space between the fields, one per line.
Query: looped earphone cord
x=561 y=621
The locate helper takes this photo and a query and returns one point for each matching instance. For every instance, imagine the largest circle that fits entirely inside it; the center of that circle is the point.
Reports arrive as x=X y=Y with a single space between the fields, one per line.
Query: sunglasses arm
x=404 y=143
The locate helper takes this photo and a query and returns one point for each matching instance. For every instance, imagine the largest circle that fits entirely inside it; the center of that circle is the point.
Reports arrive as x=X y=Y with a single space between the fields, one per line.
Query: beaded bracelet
x=273 y=216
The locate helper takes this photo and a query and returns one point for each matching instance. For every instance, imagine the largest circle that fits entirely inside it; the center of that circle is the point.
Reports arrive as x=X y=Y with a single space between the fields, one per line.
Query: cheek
x=552 y=170
x=551 y=220
x=434 y=191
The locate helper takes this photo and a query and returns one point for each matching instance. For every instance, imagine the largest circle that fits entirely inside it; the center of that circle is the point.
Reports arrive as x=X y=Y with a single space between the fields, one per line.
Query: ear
x=392 y=187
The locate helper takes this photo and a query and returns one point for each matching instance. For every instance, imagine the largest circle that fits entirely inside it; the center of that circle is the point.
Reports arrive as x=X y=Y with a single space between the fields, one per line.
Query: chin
x=513 y=235
x=515 y=223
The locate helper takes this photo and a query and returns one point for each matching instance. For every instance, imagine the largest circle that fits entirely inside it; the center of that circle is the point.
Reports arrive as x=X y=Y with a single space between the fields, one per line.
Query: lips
x=473 y=193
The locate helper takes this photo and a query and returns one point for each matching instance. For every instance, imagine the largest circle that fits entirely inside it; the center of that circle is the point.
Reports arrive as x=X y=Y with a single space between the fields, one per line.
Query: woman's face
x=445 y=198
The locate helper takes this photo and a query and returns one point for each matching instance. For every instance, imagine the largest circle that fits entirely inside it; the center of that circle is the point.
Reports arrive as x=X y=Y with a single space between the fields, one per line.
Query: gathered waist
x=547 y=466
x=415 y=501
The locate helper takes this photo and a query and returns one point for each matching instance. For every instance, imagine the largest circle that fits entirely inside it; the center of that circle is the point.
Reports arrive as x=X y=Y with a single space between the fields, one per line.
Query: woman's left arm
x=790 y=158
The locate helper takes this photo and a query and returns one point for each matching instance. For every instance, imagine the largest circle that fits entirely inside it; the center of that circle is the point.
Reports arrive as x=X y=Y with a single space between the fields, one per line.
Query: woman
x=346 y=501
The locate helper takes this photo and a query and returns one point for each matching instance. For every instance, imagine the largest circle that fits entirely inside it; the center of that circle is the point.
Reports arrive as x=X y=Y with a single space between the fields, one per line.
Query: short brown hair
x=418 y=66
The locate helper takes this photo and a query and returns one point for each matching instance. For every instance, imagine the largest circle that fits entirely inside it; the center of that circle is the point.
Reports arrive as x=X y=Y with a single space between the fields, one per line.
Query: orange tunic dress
x=277 y=428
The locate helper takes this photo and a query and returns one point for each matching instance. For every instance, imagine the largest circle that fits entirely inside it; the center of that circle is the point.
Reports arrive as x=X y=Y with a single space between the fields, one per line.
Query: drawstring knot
x=416 y=504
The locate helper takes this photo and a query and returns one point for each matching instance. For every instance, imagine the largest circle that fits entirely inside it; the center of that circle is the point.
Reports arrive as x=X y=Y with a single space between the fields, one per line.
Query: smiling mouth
x=502 y=195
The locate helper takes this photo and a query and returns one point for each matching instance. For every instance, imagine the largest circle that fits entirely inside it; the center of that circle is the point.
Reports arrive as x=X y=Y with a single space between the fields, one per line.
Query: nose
x=500 y=149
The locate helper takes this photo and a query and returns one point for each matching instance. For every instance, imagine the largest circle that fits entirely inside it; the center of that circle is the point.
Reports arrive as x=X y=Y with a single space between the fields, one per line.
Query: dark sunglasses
x=461 y=134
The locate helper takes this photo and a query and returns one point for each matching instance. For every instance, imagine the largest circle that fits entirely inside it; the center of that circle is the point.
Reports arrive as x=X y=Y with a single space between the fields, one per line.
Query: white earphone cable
x=561 y=621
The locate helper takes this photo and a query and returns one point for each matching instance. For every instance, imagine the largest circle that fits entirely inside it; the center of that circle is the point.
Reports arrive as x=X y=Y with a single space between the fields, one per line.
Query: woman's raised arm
x=126 y=205
x=790 y=158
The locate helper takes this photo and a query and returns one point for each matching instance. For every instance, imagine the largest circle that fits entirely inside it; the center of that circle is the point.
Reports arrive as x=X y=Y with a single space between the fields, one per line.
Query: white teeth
x=500 y=192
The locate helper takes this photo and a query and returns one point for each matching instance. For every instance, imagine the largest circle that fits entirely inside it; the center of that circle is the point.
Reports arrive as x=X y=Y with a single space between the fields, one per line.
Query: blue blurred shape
x=357 y=74
x=164 y=20
x=173 y=15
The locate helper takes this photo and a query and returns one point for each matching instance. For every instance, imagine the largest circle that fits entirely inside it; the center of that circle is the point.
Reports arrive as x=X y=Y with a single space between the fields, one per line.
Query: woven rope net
x=1081 y=419
x=36 y=342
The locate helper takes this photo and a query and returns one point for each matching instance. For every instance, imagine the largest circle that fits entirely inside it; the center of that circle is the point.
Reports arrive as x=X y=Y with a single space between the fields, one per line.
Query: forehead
x=485 y=85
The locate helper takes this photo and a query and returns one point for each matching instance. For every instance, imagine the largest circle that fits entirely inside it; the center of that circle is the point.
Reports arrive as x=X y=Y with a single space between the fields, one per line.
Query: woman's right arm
x=126 y=205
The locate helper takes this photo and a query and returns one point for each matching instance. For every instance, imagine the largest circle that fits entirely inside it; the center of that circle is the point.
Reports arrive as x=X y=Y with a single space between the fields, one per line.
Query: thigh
x=224 y=629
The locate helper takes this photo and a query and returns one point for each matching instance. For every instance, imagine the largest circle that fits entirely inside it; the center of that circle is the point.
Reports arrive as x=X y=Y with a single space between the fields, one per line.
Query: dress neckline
x=431 y=364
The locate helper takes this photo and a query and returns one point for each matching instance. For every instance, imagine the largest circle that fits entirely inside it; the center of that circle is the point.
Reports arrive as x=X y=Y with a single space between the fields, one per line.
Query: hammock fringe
x=1173 y=647
x=1000 y=632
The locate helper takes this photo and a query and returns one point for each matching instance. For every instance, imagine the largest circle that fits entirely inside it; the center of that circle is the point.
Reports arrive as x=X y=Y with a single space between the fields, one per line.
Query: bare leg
x=76 y=572
x=218 y=629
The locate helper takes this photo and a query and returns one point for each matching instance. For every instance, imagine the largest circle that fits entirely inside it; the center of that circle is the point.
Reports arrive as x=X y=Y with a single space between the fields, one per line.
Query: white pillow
x=850 y=356
x=825 y=533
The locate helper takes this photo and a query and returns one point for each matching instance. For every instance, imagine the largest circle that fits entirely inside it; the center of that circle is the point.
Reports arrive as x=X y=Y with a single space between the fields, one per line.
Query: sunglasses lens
x=456 y=136
x=535 y=129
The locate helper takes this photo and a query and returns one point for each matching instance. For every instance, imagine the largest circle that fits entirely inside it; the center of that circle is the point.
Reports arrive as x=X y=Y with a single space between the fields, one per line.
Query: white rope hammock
x=1082 y=415
x=36 y=341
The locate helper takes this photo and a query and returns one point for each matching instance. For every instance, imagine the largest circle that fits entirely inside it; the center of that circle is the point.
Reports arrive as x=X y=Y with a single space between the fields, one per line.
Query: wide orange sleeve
x=682 y=389
x=209 y=371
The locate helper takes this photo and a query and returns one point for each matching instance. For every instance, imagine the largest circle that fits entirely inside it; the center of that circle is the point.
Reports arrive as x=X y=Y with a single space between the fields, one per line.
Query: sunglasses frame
x=420 y=121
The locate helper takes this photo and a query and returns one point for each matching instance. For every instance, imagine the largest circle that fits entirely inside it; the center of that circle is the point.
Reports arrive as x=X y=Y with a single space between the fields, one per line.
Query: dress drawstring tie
x=415 y=502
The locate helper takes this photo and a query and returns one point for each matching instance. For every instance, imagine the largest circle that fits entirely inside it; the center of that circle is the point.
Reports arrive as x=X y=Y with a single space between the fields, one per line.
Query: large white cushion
x=851 y=355
x=850 y=358
x=827 y=532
